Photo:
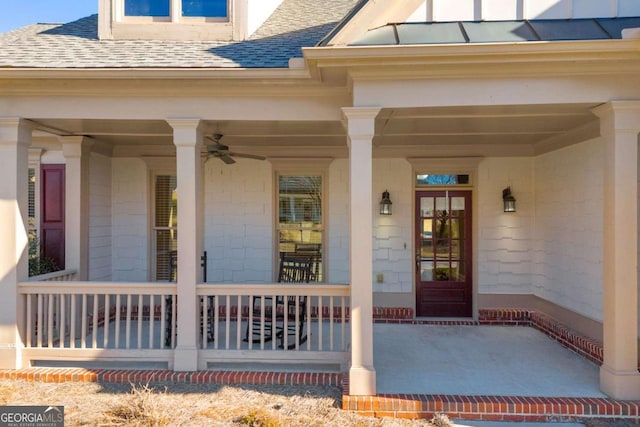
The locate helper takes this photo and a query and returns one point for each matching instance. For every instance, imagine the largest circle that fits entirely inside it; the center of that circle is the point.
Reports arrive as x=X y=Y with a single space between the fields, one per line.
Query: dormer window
x=187 y=8
x=219 y=20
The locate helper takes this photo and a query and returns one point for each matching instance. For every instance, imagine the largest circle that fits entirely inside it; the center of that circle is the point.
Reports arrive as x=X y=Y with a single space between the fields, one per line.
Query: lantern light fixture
x=508 y=200
x=385 y=203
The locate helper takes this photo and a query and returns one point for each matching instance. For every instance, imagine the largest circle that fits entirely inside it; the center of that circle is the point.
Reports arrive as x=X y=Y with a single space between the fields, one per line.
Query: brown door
x=443 y=255
x=52 y=217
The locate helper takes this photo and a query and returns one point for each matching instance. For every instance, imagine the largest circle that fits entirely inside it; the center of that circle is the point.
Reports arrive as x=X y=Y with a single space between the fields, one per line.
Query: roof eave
x=468 y=50
x=154 y=73
x=474 y=60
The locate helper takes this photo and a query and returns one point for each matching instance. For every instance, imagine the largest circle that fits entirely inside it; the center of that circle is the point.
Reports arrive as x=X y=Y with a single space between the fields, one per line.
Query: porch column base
x=362 y=381
x=10 y=358
x=185 y=359
x=622 y=385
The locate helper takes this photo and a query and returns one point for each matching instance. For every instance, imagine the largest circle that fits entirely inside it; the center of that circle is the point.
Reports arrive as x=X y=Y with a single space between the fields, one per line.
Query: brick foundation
x=58 y=375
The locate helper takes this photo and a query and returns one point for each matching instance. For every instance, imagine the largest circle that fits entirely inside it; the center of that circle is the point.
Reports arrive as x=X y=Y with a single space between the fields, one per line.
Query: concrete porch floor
x=478 y=360
x=489 y=373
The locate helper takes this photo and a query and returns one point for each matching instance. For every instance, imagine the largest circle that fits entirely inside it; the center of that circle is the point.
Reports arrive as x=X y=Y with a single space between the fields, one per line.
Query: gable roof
x=295 y=24
x=496 y=31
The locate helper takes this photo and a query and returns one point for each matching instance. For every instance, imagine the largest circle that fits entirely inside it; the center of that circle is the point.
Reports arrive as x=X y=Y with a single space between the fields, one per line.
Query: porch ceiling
x=433 y=131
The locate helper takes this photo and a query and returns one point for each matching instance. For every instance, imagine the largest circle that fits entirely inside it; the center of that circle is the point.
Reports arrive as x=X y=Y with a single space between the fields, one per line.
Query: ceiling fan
x=222 y=151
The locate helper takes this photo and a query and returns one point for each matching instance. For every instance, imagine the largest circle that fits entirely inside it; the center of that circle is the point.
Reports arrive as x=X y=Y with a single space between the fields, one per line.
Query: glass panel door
x=443 y=269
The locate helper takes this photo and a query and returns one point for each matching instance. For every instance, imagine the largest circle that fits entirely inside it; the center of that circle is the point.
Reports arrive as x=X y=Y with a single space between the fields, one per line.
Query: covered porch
x=372 y=128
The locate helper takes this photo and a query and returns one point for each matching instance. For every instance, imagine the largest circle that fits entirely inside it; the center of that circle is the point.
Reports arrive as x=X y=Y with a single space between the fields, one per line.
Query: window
x=33 y=225
x=207 y=8
x=146 y=8
x=165 y=226
x=442 y=179
x=300 y=224
x=189 y=8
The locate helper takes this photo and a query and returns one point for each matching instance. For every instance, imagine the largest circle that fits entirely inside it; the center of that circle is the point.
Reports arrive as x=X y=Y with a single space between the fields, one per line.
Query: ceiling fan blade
x=228 y=160
x=248 y=156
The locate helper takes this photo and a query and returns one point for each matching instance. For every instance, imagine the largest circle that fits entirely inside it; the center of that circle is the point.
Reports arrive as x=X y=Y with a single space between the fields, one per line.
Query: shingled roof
x=295 y=24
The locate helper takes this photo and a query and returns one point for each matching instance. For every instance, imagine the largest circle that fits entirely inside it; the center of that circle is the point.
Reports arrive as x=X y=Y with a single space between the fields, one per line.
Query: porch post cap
x=631 y=33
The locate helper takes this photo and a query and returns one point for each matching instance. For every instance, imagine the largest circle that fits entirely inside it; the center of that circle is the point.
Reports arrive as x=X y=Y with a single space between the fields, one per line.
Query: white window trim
x=35 y=160
x=445 y=166
x=114 y=25
x=296 y=166
x=155 y=166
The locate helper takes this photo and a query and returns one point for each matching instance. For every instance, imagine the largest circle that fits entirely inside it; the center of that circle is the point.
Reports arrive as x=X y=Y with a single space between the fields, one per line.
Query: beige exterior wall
x=238 y=212
x=504 y=240
x=338 y=222
x=393 y=235
x=569 y=227
x=392 y=240
x=100 y=248
x=130 y=220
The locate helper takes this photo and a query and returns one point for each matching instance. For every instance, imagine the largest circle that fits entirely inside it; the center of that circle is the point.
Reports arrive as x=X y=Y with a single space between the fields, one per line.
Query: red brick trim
x=58 y=375
x=382 y=314
x=493 y=408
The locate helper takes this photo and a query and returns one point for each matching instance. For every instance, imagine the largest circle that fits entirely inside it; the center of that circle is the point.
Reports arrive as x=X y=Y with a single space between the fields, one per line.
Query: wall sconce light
x=508 y=200
x=385 y=204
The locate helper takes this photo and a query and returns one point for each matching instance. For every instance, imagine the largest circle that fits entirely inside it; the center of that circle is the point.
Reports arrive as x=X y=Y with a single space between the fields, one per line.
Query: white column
x=619 y=128
x=187 y=138
x=77 y=151
x=15 y=138
x=360 y=131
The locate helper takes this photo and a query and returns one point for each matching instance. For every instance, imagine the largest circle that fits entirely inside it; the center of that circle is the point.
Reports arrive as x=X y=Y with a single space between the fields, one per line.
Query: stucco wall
x=505 y=239
x=238 y=204
x=99 y=217
x=129 y=223
x=569 y=215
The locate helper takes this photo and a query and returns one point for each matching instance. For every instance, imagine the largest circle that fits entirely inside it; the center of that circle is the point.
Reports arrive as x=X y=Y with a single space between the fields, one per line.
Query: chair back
x=314 y=251
x=295 y=268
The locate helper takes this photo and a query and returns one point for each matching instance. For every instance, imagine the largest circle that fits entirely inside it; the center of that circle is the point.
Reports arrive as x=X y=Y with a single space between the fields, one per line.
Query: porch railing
x=89 y=321
x=94 y=321
x=55 y=276
x=270 y=332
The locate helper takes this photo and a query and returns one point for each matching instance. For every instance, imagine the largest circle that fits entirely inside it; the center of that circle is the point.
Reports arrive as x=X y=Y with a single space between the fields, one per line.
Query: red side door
x=443 y=258
x=52 y=212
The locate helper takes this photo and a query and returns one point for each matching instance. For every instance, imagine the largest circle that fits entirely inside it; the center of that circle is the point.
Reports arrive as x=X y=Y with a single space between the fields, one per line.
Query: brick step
x=491 y=408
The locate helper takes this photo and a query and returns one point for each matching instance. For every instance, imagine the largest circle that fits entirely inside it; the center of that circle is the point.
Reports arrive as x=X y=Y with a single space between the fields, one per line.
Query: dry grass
x=88 y=404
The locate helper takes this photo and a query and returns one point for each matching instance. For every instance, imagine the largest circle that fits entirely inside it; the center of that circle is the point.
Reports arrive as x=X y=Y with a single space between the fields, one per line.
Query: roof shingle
x=294 y=24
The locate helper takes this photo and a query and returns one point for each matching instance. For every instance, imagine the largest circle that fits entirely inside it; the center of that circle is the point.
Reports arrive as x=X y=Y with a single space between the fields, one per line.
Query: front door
x=443 y=254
